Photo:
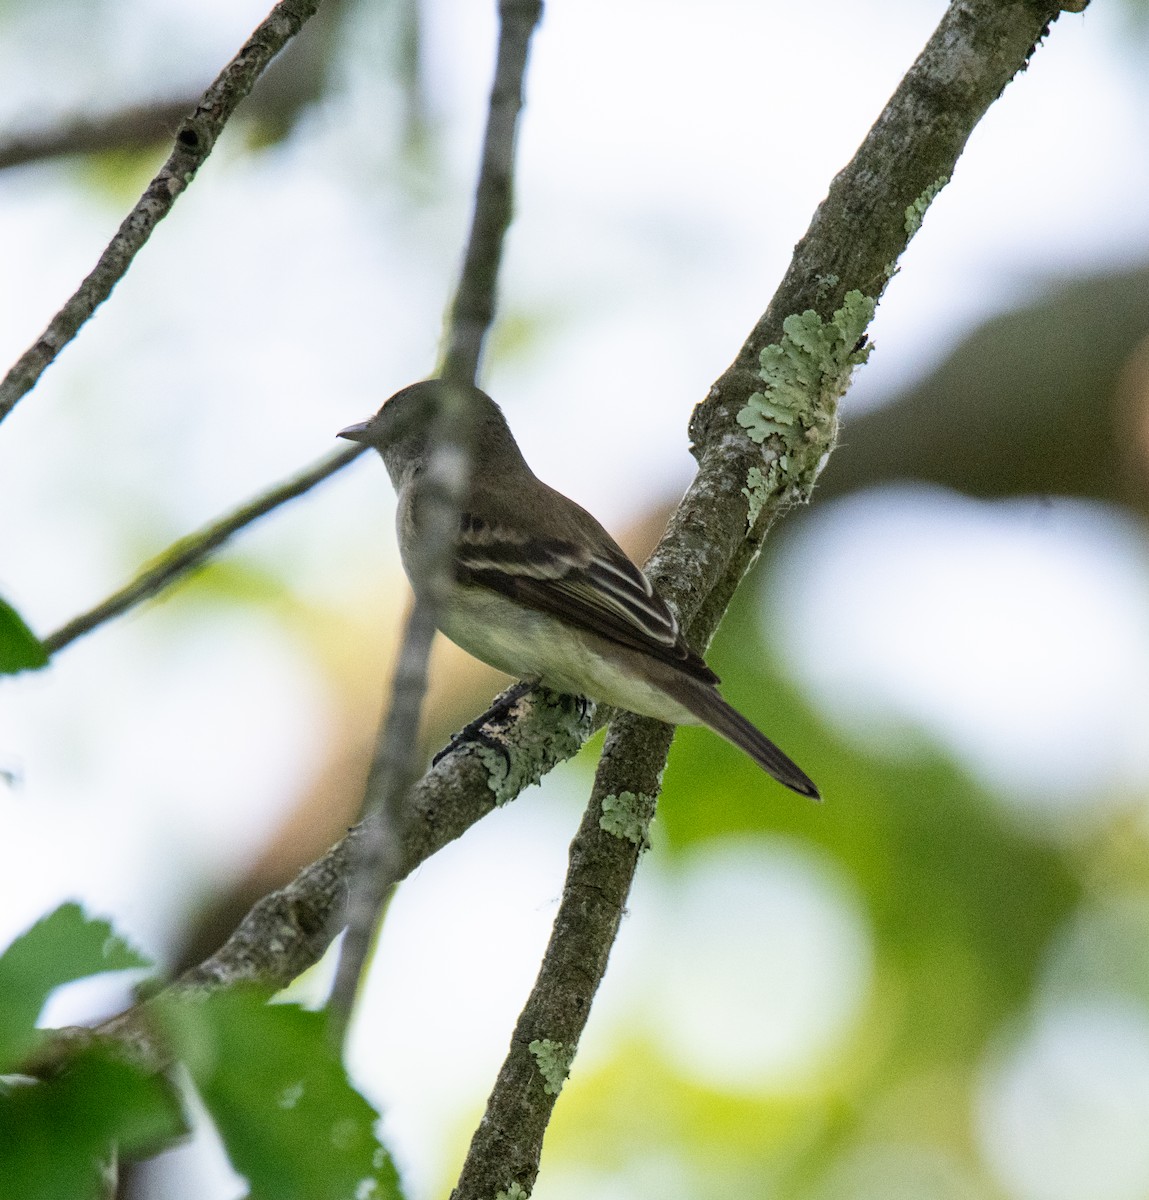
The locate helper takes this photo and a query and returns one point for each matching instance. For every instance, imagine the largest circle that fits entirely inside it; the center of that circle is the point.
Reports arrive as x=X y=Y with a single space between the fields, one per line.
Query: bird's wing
x=602 y=592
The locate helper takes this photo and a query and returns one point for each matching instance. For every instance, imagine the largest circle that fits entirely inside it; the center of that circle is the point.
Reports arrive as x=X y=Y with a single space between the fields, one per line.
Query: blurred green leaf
x=57 y=1135
x=63 y=946
x=288 y=1115
x=20 y=648
x=963 y=901
x=636 y=1107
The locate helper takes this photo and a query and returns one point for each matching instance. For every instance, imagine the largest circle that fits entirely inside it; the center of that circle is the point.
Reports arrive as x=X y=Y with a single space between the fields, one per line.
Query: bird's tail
x=709 y=707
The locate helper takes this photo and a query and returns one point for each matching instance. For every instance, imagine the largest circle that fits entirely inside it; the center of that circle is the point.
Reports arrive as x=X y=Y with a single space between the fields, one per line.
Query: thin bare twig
x=474 y=307
x=189 y=552
x=394 y=767
x=856 y=237
x=193 y=143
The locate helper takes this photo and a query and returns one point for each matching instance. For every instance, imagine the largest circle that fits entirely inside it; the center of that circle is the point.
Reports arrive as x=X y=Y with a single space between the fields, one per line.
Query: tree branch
x=697 y=566
x=182 y=557
x=474 y=307
x=856 y=236
x=193 y=143
x=132 y=128
x=394 y=766
x=290 y=929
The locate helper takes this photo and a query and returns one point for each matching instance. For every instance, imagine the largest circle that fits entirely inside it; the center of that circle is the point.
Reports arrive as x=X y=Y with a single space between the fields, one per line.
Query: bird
x=541 y=591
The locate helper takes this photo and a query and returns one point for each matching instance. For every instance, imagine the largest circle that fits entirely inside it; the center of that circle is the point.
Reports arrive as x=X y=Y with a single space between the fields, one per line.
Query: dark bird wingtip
x=801 y=783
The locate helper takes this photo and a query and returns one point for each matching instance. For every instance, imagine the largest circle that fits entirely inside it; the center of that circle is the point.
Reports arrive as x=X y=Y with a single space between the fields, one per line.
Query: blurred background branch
x=395 y=763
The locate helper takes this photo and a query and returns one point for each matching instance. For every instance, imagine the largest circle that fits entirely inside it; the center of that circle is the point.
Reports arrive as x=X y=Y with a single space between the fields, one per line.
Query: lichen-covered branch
x=874 y=207
x=505 y=1149
x=193 y=143
x=850 y=250
x=288 y=930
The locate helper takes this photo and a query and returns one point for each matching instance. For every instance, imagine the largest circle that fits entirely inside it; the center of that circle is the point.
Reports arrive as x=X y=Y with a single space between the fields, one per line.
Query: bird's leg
x=473 y=731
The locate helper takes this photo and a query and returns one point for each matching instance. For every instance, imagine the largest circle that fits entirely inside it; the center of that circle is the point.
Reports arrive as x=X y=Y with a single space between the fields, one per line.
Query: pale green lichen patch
x=804 y=375
x=514 y=1192
x=508 y=771
x=563 y=724
x=554 y=1063
x=756 y=491
x=627 y=815
x=916 y=211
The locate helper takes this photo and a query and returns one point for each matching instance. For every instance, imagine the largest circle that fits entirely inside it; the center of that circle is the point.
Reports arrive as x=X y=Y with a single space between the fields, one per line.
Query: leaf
x=57 y=1135
x=288 y=1115
x=62 y=947
x=20 y=648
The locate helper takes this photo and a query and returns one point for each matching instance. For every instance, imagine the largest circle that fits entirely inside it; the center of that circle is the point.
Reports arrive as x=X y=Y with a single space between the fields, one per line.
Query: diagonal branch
x=193 y=143
x=856 y=237
x=290 y=929
x=181 y=558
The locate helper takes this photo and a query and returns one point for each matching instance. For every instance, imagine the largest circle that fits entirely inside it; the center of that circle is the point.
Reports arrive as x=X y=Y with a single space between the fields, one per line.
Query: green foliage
x=962 y=905
x=58 y=1133
x=288 y=1115
x=20 y=648
x=290 y=1119
x=635 y=1107
x=64 y=946
x=962 y=901
x=118 y=176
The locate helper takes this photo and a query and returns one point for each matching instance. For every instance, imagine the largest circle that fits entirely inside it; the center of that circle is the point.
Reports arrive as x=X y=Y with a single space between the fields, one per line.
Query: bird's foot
x=476 y=730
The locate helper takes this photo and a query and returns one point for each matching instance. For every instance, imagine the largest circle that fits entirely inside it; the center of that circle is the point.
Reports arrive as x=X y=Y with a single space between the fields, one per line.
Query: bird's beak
x=355 y=433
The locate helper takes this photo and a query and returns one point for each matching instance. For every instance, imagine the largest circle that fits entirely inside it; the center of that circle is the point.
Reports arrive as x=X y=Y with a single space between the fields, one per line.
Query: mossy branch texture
x=802 y=379
x=194 y=142
x=554 y=1063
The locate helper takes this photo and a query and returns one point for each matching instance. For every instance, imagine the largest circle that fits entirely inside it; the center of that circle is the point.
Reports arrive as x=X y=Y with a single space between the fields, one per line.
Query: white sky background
x=671 y=155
